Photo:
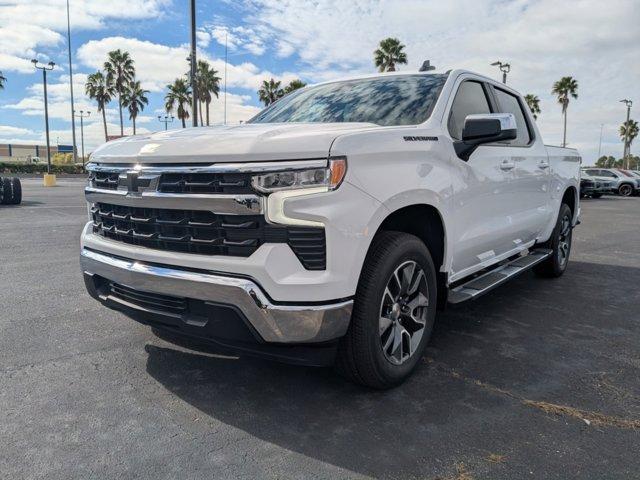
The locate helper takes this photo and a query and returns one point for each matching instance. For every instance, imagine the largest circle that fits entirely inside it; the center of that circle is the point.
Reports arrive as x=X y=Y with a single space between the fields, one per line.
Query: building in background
x=25 y=153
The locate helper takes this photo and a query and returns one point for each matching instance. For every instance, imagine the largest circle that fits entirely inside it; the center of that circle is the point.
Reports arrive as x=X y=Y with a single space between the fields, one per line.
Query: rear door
x=530 y=195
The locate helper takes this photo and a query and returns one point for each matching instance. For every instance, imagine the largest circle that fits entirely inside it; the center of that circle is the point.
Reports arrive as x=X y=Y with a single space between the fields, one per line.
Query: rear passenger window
x=470 y=99
x=510 y=104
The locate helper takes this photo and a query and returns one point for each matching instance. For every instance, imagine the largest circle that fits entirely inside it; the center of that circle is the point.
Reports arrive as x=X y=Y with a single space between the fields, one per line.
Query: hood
x=237 y=143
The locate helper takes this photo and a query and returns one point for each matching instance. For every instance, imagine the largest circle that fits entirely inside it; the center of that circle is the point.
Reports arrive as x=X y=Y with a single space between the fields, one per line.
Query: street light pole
x=600 y=142
x=82 y=115
x=194 y=90
x=45 y=68
x=504 y=68
x=167 y=119
x=73 y=121
x=625 y=155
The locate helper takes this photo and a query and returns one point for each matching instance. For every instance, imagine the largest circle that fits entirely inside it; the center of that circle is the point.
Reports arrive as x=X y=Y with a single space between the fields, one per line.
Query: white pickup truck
x=332 y=226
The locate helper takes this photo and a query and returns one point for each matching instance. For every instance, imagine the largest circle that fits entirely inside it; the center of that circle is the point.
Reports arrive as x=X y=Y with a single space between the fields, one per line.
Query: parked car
x=629 y=174
x=10 y=191
x=620 y=183
x=331 y=227
x=593 y=187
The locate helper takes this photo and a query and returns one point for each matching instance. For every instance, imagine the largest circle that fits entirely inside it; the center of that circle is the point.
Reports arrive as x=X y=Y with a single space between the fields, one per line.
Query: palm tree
x=565 y=88
x=3 y=79
x=628 y=132
x=179 y=97
x=208 y=85
x=135 y=99
x=294 y=85
x=120 y=72
x=97 y=88
x=389 y=54
x=534 y=104
x=270 y=92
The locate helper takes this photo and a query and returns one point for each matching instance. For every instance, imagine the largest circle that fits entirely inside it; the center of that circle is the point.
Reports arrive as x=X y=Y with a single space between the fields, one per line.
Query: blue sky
x=317 y=40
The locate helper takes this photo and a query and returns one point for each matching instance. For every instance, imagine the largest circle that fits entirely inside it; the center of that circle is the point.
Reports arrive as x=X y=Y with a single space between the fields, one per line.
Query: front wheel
x=560 y=245
x=393 y=314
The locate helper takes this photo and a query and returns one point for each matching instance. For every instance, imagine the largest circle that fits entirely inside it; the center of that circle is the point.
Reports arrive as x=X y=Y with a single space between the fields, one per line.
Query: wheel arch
x=570 y=197
x=426 y=222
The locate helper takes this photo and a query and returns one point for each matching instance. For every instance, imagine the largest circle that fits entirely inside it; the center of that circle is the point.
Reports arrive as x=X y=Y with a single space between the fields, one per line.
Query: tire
x=560 y=244
x=625 y=190
x=5 y=191
x=382 y=313
x=596 y=195
x=16 y=191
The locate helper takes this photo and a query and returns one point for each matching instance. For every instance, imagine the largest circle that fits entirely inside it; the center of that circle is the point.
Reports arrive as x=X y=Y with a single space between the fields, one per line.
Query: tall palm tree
x=389 y=54
x=564 y=89
x=97 y=88
x=135 y=99
x=208 y=86
x=534 y=104
x=120 y=72
x=179 y=98
x=628 y=130
x=270 y=91
x=3 y=79
x=294 y=85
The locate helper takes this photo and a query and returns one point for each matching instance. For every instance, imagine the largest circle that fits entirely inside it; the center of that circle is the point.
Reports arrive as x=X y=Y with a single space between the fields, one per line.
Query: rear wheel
x=393 y=315
x=560 y=244
x=625 y=190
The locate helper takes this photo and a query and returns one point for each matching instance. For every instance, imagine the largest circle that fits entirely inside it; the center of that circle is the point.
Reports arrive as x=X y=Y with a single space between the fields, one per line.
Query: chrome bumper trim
x=220 y=204
x=247 y=167
x=274 y=323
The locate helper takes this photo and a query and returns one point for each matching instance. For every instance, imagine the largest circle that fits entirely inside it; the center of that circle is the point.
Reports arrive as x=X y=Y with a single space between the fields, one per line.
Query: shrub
x=39 y=169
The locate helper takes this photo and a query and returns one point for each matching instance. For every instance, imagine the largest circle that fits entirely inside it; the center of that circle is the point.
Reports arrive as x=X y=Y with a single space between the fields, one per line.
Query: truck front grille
x=204 y=232
x=193 y=183
x=206 y=183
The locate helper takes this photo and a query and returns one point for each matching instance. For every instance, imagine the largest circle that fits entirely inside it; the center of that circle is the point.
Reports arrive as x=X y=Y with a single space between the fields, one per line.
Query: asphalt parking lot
x=539 y=379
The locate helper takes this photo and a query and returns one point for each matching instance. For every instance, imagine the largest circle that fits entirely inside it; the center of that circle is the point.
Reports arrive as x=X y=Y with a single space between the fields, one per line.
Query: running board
x=496 y=277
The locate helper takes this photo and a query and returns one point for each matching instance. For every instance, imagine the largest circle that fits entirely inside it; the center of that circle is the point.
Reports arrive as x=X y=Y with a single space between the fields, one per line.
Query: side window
x=470 y=99
x=510 y=104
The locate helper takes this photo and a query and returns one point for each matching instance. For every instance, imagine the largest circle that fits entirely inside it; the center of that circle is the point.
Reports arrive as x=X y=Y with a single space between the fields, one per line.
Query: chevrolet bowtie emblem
x=135 y=183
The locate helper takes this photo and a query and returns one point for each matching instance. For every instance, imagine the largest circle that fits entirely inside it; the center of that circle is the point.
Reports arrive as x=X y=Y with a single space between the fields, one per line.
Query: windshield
x=391 y=100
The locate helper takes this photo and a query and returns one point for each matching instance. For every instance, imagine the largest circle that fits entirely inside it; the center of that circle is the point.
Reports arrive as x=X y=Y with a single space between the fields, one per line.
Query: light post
x=73 y=121
x=625 y=155
x=194 y=90
x=166 y=119
x=82 y=115
x=600 y=142
x=45 y=68
x=504 y=68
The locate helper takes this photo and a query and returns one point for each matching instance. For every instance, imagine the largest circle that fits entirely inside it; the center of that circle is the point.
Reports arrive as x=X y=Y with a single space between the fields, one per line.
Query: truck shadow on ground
x=532 y=335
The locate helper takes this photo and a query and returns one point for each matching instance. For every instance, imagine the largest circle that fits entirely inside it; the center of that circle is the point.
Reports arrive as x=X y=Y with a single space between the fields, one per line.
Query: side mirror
x=485 y=128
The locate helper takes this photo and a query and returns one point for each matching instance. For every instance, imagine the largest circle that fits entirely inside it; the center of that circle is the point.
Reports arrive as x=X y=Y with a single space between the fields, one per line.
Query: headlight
x=329 y=177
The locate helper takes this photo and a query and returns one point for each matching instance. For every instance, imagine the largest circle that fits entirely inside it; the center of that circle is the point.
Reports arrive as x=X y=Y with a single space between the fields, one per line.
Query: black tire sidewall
x=411 y=248
x=557 y=267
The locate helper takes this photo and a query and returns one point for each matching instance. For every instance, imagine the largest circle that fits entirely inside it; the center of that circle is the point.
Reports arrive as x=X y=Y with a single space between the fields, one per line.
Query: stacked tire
x=10 y=191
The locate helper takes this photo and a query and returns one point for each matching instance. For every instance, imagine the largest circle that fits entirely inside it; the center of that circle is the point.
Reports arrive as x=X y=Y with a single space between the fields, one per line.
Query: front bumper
x=270 y=321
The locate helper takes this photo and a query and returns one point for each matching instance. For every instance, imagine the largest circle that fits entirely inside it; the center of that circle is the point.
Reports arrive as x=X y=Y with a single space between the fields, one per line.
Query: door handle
x=543 y=165
x=506 y=166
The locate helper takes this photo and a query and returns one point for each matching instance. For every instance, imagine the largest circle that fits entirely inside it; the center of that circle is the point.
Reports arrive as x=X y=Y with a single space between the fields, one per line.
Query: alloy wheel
x=626 y=190
x=403 y=312
x=564 y=243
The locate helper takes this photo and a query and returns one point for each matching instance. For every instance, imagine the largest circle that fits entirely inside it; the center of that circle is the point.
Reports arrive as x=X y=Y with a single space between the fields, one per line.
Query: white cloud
x=29 y=25
x=6 y=130
x=158 y=65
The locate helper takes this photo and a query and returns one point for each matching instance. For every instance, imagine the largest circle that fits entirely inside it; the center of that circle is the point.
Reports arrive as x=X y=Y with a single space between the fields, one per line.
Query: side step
x=502 y=273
